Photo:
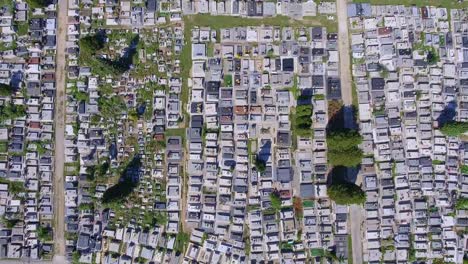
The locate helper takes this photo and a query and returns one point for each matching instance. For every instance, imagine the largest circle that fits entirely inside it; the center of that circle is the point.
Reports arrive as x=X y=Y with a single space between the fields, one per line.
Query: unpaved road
x=355 y=211
x=345 y=53
x=60 y=75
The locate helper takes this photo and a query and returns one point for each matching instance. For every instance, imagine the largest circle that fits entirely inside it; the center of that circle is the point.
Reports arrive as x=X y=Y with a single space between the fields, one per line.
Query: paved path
x=355 y=211
x=59 y=199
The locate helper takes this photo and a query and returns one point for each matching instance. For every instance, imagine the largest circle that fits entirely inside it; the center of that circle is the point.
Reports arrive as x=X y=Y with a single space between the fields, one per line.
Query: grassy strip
x=437 y=3
x=219 y=22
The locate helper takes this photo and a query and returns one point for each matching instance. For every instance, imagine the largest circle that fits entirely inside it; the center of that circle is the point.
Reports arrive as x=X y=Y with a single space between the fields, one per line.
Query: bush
x=275 y=201
x=346 y=193
x=349 y=158
x=454 y=129
x=462 y=203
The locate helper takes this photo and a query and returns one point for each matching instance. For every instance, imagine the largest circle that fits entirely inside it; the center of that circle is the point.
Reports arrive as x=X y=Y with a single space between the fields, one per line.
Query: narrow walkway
x=60 y=75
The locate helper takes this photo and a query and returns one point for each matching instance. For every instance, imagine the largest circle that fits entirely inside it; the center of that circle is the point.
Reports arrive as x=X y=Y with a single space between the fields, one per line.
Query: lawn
x=175 y=132
x=437 y=3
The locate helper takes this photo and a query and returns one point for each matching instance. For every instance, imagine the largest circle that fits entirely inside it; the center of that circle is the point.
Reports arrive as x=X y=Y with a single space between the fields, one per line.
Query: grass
x=437 y=3
x=308 y=203
x=23 y=28
x=210 y=49
x=228 y=80
x=175 y=132
x=350 y=250
x=3 y=147
x=219 y=22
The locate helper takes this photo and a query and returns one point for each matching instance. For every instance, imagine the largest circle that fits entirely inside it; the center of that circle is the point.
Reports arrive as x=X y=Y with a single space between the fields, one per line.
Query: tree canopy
x=343 y=148
x=346 y=193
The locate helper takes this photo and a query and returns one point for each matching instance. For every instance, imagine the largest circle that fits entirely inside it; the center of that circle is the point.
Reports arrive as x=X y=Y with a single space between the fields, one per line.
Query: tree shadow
x=341 y=117
x=341 y=174
x=448 y=114
x=129 y=179
x=265 y=151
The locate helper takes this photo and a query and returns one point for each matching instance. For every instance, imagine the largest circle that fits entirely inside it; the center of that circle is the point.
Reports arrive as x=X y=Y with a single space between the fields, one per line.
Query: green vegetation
x=343 y=148
x=260 y=164
x=319 y=97
x=91 y=45
x=346 y=193
x=454 y=128
x=308 y=203
x=350 y=249
x=437 y=162
x=120 y=191
x=38 y=3
x=6 y=90
x=412 y=250
x=436 y=3
x=301 y=121
x=181 y=242
x=3 y=147
x=295 y=88
x=11 y=111
x=111 y=107
x=14 y=187
x=44 y=233
x=152 y=219
x=464 y=169
x=219 y=22
x=22 y=28
x=86 y=206
x=227 y=80
x=10 y=222
x=275 y=201
x=462 y=203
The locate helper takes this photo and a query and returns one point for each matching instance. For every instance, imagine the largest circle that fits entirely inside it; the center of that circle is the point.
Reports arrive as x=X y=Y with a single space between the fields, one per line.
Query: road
x=60 y=75
x=355 y=211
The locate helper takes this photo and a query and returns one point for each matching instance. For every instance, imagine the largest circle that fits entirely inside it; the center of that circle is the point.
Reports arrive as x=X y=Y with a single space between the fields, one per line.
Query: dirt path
x=59 y=195
x=344 y=50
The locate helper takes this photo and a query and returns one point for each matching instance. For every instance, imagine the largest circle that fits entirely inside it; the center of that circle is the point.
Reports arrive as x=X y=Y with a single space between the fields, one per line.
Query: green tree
x=343 y=148
x=454 y=128
x=346 y=193
x=6 y=90
x=462 y=203
x=348 y=158
x=260 y=164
